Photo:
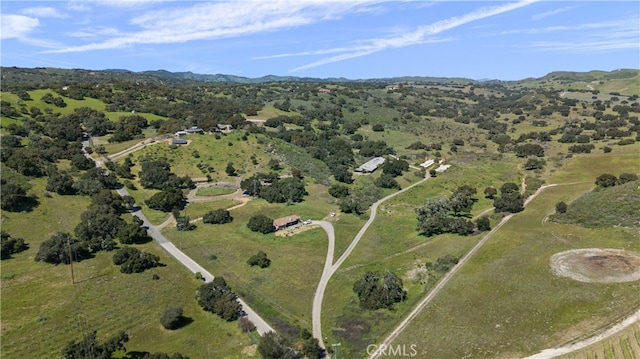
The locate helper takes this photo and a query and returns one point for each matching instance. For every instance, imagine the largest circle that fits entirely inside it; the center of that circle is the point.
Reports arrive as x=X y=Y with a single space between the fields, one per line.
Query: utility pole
x=73 y=281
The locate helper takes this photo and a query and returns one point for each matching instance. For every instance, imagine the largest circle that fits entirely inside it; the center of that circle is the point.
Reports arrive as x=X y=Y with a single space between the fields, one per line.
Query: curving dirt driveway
x=329 y=269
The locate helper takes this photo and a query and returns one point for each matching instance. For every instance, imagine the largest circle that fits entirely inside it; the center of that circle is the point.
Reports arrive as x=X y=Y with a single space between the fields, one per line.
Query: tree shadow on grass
x=25 y=204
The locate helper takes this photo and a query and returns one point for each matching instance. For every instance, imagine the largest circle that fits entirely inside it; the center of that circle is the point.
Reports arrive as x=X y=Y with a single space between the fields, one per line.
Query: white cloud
x=419 y=35
x=17 y=26
x=552 y=12
x=595 y=37
x=43 y=11
x=214 y=20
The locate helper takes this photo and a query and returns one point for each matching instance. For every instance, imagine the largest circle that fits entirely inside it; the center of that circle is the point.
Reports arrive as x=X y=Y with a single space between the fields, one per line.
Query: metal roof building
x=371 y=165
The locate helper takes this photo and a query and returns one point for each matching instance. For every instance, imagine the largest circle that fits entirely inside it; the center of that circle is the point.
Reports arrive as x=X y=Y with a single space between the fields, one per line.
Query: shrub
x=483 y=224
x=261 y=223
x=375 y=292
x=561 y=207
x=260 y=259
x=11 y=245
x=218 y=216
x=132 y=260
x=246 y=325
x=171 y=318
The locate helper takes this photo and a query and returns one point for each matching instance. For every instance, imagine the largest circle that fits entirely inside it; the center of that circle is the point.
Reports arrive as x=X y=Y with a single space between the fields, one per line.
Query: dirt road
x=554 y=352
x=443 y=282
x=329 y=270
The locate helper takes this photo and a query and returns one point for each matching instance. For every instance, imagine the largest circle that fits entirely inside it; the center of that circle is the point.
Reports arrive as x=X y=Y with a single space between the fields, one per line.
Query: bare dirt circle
x=597 y=265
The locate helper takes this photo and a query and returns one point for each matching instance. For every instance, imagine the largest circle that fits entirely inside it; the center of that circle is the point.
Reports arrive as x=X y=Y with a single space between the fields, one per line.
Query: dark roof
x=178 y=141
x=286 y=220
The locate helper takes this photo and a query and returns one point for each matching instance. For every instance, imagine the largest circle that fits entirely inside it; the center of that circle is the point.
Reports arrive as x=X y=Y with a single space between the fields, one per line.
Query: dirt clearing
x=597 y=265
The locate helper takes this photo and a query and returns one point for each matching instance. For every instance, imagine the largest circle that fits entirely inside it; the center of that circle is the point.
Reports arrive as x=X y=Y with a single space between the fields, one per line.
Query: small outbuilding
x=179 y=141
x=285 y=222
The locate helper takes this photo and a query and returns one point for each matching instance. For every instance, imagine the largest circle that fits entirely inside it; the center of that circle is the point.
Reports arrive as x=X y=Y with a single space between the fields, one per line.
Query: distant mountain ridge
x=14 y=75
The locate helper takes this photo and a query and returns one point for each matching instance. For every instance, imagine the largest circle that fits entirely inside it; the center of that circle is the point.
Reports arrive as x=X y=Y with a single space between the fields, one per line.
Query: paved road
x=329 y=269
x=262 y=326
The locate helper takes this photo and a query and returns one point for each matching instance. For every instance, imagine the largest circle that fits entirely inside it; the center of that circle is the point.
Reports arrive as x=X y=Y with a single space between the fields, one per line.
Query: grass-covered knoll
x=616 y=206
x=210 y=151
x=506 y=302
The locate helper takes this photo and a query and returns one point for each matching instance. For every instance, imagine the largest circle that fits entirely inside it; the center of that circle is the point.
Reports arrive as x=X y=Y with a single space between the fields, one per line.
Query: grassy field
x=392 y=243
x=37 y=324
x=215 y=191
x=282 y=292
x=488 y=311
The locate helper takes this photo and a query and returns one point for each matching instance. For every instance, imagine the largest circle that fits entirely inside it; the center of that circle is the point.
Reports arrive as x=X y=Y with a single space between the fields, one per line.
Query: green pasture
x=269 y=111
x=507 y=303
x=281 y=292
x=199 y=209
x=42 y=310
x=392 y=243
x=213 y=152
x=214 y=191
x=103 y=299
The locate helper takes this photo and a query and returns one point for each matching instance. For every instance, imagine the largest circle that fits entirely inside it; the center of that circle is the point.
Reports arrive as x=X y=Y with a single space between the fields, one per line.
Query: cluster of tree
x=274 y=346
x=390 y=169
x=217 y=297
x=172 y=318
x=133 y=260
x=609 y=180
x=50 y=99
x=510 y=199
x=261 y=223
x=167 y=200
x=11 y=245
x=581 y=148
x=89 y=347
x=100 y=224
x=375 y=292
x=529 y=149
x=359 y=199
x=128 y=128
x=14 y=192
x=133 y=233
x=259 y=259
x=273 y=189
x=280 y=120
x=61 y=248
x=156 y=174
x=445 y=214
x=218 y=216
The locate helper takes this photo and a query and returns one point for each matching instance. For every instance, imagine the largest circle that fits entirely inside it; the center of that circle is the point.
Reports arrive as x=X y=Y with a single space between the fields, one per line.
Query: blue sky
x=356 y=39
